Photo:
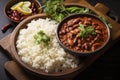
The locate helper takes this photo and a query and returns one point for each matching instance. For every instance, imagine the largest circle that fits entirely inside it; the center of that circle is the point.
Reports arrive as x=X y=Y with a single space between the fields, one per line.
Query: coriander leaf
x=86 y=10
x=60 y=17
x=81 y=26
x=41 y=37
x=110 y=25
x=90 y=30
x=74 y=9
x=106 y=21
x=45 y=39
x=57 y=11
x=84 y=32
x=77 y=10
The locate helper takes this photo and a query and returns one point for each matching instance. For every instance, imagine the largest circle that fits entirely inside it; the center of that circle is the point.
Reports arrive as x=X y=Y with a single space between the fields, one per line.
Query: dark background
x=107 y=67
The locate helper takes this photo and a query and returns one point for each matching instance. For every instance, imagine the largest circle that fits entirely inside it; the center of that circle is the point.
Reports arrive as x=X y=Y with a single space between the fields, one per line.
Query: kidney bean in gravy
x=69 y=34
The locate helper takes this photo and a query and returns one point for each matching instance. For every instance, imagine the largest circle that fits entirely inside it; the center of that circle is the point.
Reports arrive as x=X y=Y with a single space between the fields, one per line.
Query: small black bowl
x=76 y=52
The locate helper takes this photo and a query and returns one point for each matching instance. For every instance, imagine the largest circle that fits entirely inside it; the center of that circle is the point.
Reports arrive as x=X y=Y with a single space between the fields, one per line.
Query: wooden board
x=16 y=71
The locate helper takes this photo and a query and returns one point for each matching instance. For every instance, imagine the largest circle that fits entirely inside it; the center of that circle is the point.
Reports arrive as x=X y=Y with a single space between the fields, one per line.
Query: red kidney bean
x=75 y=26
x=79 y=45
x=12 y=17
x=92 y=48
x=34 y=10
x=85 y=46
x=77 y=48
x=65 y=25
x=79 y=41
x=90 y=43
x=63 y=31
x=70 y=36
x=70 y=23
x=73 y=32
x=4 y=28
x=83 y=40
x=32 y=5
x=76 y=20
x=77 y=30
x=70 y=42
x=17 y=19
x=63 y=40
x=70 y=28
x=96 y=45
x=67 y=30
x=98 y=31
x=60 y=32
x=95 y=39
x=98 y=28
x=9 y=12
x=86 y=22
x=13 y=14
x=94 y=23
x=75 y=41
x=77 y=36
x=89 y=19
x=88 y=39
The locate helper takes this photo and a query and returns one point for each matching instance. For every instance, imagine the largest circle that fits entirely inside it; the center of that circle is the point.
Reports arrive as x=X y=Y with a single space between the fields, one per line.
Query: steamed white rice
x=51 y=58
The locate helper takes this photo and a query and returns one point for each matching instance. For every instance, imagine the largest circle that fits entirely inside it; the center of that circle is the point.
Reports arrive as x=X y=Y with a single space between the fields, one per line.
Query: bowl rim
x=10 y=1
x=78 y=53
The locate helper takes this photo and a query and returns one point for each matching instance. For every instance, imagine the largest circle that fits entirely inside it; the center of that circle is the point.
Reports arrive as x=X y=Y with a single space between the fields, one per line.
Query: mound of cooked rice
x=50 y=58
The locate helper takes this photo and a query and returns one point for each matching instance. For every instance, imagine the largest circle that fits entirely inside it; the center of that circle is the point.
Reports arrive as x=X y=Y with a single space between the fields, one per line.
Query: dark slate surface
x=107 y=67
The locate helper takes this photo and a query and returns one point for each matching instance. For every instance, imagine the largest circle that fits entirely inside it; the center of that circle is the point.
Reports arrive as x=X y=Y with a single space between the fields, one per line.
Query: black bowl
x=80 y=53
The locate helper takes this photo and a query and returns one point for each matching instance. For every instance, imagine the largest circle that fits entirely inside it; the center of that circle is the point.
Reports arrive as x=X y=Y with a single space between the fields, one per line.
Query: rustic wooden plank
x=15 y=70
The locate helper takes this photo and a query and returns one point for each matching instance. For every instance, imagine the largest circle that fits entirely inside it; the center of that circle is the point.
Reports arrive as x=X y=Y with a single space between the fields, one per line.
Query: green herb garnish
x=84 y=32
x=57 y=10
x=106 y=21
x=41 y=37
x=72 y=10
